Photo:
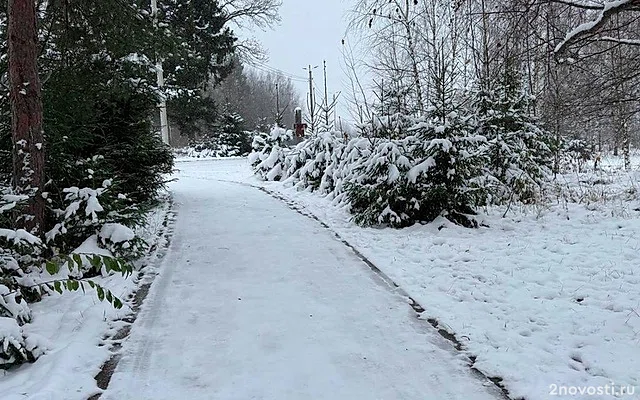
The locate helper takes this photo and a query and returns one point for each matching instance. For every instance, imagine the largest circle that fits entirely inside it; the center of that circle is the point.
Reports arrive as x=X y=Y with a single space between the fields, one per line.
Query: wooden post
x=298 y=126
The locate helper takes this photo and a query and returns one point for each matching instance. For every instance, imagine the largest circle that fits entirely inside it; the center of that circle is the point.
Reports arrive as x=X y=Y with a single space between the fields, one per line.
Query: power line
x=292 y=77
x=280 y=71
x=268 y=68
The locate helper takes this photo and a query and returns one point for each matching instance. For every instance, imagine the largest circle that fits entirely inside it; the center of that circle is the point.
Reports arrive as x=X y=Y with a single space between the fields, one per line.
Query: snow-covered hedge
x=31 y=266
x=312 y=163
x=384 y=181
x=269 y=153
x=223 y=146
x=442 y=167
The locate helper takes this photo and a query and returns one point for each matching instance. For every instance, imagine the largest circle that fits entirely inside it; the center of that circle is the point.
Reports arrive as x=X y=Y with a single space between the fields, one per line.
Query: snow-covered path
x=255 y=301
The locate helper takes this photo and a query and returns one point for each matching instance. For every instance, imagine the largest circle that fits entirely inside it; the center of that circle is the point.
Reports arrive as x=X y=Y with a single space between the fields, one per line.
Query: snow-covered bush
x=575 y=154
x=31 y=267
x=269 y=153
x=378 y=191
x=15 y=347
x=313 y=162
x=517 y=147
x=15 y=285
x=100 y=211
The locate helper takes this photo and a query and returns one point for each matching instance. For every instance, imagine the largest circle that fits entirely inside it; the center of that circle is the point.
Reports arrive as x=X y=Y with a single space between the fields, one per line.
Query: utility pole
x=335 y=110
x=311 y=99
x=164 y=121
x=278 y=116
x=312 y=102
x=326 y=96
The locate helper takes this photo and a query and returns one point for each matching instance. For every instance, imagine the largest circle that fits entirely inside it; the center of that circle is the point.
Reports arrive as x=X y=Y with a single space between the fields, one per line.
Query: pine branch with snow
x=269 y=153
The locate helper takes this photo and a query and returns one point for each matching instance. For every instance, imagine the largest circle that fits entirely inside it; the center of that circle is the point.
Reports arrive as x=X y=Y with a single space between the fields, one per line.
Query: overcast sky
x=311 y=31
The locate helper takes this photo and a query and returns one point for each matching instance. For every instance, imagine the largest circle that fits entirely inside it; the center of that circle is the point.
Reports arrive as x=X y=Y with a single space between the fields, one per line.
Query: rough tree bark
x=26 y=111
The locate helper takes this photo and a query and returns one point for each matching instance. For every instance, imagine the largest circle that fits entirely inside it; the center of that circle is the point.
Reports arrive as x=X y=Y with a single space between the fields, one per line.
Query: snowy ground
x=74 y=325
x=547 y=298
x=255 y=301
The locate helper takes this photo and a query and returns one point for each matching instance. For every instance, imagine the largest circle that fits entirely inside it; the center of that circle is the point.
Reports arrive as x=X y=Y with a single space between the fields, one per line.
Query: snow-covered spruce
x=431 y=173
x=448 y=169
x=355 y=154
x=311 y=165
x=269 y=153
x=517 y=147
x=227 y=139
x=377 y=189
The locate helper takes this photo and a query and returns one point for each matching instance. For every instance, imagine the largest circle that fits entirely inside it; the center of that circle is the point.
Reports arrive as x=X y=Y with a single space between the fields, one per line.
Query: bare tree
x=591 y=30
x=394 y=20
x=593 y=94
x=245 y=13
x=261 y=98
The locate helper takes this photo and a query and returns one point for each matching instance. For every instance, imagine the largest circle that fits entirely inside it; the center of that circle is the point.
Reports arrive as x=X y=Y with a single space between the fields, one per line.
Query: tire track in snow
x=137 y=298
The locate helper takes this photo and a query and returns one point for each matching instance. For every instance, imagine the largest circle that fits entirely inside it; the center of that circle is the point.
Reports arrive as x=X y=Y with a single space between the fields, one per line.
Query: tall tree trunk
x=26 y=111
x=626 y=144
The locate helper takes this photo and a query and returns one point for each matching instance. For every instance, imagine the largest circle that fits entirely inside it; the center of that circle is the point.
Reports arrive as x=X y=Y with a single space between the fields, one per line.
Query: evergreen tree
x=99 y=90
x=378 y=192
x=97 y=99
x=447 y=168
x=233 y=136
x=226 y=139
x=196 y=47
x=270 y=151
x=517 y=147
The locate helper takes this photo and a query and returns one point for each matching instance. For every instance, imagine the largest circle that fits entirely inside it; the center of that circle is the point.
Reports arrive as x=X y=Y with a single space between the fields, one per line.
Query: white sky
x=310 y=31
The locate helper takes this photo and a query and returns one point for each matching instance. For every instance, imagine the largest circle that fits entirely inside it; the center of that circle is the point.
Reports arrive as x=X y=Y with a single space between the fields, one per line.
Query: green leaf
x=100 y=292
x=96 y=262
x=117 y=303
x=109 y=296
x=93 y=285
x=57 y=286
x=78 y=260
x=125 y=268
x=52 y=267
x=112 y=264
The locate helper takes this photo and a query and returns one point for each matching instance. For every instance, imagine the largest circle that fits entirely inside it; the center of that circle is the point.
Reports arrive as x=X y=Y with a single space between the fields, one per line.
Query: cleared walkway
x=255 y=301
